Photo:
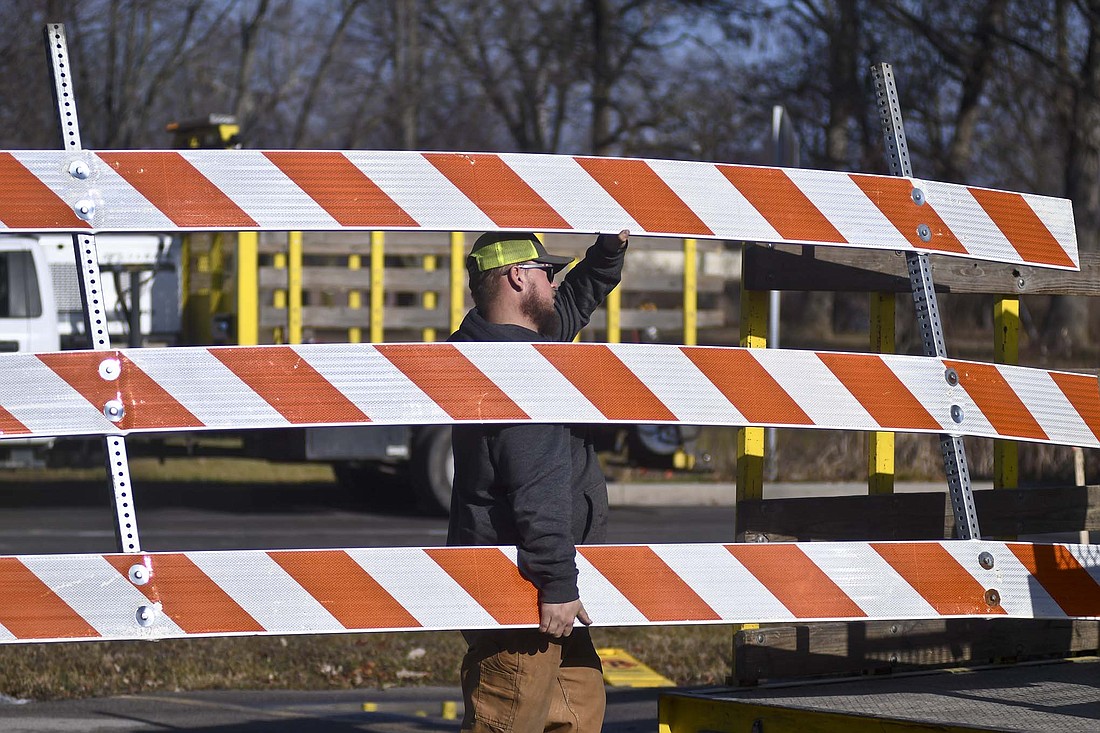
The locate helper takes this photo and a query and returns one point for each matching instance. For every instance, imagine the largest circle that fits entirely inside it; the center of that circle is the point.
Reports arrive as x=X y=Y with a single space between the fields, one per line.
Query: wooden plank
x=918 y=516
x=789 y=267
x=438 y=243
x=342 y=317
x=913 y=516
x=320 y=316
x=875 y=647
x=412 y=280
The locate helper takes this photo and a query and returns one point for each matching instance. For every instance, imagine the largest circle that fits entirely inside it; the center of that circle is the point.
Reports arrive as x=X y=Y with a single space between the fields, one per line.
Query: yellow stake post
x=248 y=288
x=1006 y=350
x=880 y=445
x=458 y=281
x=355 y=299
x=750 y=440
x=691 y=293
x=429 y=300
x=278 y=299
x=294 y=288
x=377 y=285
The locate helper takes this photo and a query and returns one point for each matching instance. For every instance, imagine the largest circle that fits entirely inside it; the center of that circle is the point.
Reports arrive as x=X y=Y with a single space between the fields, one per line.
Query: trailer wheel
x=433 y=468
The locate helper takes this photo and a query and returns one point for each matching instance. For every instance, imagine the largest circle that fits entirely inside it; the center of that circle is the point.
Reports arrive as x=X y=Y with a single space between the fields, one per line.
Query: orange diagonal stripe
x=9 y=425
x=290 y=384
x=341 y=189
x=28 y=203
x=1081 y=391
x=196 y=603
x=644 y=195
x=937 y=577
x=1062 y=576
x=148 y=405
x=492 y=580
x=748 y=386
x=452 y=381
x=345 y=589
x=879 y=390
x=649 y=583
x=606 y=382
x=894 y=198
x=31 y=610
x=497 y=190
x=178 y=189
x=1000 y=404
x=782 y=203
x=1025 y=231
x=795 y=581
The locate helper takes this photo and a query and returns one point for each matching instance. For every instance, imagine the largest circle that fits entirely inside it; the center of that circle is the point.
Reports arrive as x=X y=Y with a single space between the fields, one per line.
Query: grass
x=689 y=655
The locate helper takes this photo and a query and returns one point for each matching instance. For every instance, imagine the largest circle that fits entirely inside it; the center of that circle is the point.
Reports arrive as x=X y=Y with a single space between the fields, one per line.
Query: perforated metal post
x=91 y=289
x=927 y=306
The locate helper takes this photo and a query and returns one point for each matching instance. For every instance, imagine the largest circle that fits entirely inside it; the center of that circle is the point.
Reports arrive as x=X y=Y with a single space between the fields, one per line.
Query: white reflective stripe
x=714 y=199
x=848 y=209
x=815 y=388
x=868 y=580
x=1049 y=406
x=206 y=387
x=369 y=380
x=968 y=221
x=6 y=635
x=563 y=184
x=119 y=204
x=1089 y=558
x=423 y=588
x=99 y=593
x=723 y=583
x=278 y=203
x=679 y=384
x=1021 y=596
x=603 y=601
x=421 y=190
x=265 y=591
x=533 y=383
x=37 y=397
x=1051 y=211
x=924 y=378
x=52 y=168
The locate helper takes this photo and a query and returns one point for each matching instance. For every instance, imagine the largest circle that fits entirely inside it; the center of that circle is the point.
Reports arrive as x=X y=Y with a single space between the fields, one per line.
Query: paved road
x=399 y=710
x=76 y=517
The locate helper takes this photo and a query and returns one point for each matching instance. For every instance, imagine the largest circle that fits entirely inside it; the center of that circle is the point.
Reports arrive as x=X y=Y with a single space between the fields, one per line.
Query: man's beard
x=542 y=314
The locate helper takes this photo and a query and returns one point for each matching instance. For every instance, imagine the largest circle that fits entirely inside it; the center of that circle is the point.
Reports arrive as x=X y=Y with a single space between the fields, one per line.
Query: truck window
x=19 y=297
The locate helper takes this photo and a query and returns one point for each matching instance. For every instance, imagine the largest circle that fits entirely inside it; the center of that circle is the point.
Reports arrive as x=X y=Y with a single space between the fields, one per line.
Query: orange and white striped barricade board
x=254 y=387
x=113 y=191
x=253 y=592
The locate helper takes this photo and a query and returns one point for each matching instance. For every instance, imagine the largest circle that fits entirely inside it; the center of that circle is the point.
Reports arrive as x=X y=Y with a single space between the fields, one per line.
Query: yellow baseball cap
x=497 y=249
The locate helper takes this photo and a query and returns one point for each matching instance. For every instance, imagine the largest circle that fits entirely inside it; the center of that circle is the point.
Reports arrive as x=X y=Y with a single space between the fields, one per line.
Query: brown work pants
x=524 y=681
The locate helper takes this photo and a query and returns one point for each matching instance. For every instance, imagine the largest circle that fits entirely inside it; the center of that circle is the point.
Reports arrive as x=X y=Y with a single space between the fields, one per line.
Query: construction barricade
x=110 y=392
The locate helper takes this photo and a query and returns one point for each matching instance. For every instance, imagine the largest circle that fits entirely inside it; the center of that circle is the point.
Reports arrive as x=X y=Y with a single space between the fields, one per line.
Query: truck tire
x=432 y=468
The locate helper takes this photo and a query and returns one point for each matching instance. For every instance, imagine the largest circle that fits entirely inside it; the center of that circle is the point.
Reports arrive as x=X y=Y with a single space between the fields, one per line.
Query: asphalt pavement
x=396 y=710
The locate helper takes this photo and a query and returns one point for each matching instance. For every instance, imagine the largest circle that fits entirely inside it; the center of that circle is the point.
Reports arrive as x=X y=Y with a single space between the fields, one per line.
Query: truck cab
x=28 y=322
x=28 y=314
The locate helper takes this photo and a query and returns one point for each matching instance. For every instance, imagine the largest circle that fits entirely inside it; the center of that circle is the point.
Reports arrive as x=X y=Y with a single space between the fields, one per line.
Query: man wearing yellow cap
x=536 y=486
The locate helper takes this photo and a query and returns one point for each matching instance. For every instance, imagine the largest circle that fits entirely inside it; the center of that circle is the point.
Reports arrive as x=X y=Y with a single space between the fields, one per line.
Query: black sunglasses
x=548 y=269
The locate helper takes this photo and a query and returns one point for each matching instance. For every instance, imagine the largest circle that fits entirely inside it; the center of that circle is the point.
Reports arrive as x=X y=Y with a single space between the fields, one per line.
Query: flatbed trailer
x=1061 y=695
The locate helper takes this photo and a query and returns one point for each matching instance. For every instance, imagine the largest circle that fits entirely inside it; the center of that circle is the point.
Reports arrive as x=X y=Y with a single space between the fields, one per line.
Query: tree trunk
x=1066 y=324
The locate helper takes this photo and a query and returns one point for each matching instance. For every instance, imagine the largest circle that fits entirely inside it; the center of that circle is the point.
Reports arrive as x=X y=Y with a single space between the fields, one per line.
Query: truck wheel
x=433 y=468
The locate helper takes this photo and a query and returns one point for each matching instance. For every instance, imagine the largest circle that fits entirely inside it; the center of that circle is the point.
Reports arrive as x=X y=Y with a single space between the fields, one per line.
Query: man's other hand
x=557 y=619
x=612 y=243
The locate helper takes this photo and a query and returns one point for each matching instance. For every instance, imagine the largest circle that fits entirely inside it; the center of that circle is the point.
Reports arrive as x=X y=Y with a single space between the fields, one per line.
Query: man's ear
x=515 y=278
